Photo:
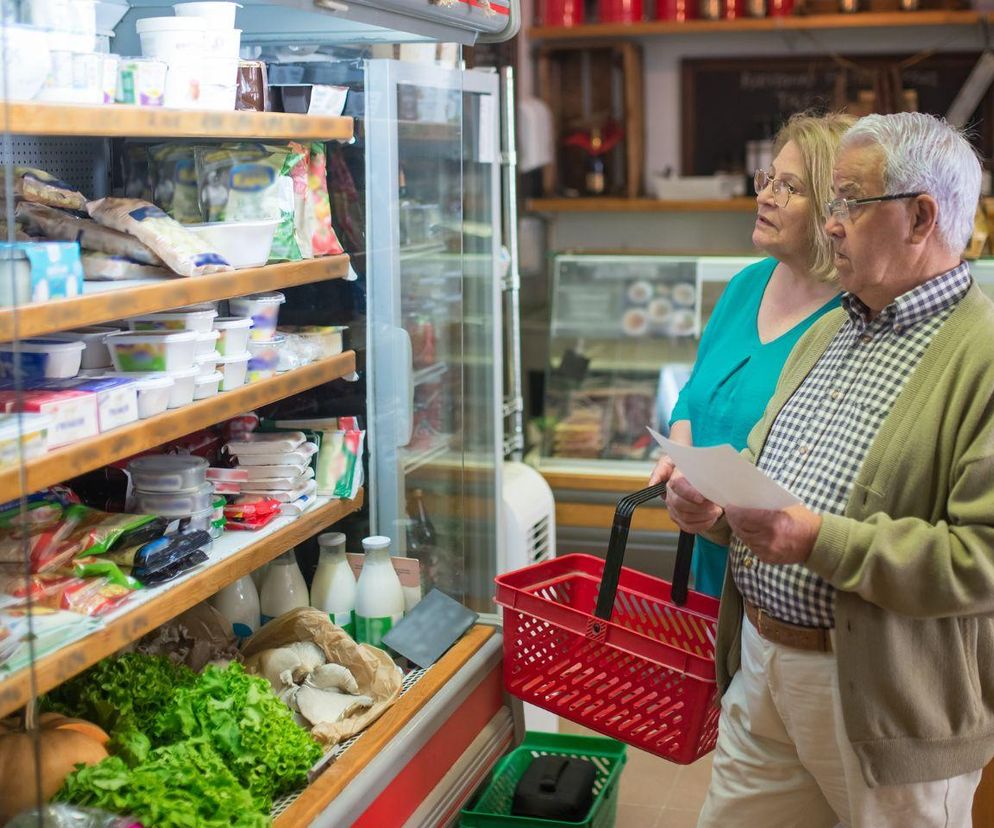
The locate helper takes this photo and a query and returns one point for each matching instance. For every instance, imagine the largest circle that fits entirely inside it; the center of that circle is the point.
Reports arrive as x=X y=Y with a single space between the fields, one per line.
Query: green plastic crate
x=493 y=808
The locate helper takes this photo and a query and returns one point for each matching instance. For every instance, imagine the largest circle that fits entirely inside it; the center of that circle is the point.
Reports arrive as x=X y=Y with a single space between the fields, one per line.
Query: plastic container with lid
x=316 y=341
x=96 y=354
x=264 y=358
x=172 y=38
x=175 y=504
x=234 y=370
x=263 y=309
x=241 y=243
x=207 y=363
x=177 y=320
x=152 y=350
x=216 y=15
x=235 y=331
x=207 y=386
x=23 y=437
x=41 y=359
x=181 y=391
x=224 y=44
x=168 y=473
x=154 y=391
x=206 y=342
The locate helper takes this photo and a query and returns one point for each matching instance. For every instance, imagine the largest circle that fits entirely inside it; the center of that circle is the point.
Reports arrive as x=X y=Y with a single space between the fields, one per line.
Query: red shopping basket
x=615 y=650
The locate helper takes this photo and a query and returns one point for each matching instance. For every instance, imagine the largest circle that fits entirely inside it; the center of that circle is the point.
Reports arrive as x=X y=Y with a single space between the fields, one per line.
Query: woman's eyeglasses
x=782 y=191
x=843 y=208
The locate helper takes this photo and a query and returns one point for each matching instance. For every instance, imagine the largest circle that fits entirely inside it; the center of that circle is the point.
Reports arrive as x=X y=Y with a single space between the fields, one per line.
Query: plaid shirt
x=822 y=435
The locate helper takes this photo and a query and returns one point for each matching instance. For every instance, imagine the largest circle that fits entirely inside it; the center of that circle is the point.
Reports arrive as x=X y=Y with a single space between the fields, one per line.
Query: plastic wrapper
x=137 y=172
x=84 y=596
x=240 y=182
x=297 y=167
x=41 y=188
x=251 y=524
x=174 y=570
x=251 y=507
x=58 y=225
x=339 y=471
x=173 y=169
x=70 y=816
x=103 y=267
x=182 y=250
x=317 y=222
x=90 y=567
x=196 y=638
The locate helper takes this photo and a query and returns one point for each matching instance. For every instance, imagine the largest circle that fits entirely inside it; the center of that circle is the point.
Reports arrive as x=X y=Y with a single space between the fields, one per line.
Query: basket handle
x=616 y=553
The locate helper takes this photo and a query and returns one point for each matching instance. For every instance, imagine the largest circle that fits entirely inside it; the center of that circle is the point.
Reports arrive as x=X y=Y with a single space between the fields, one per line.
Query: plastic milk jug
x=334 y=589
x=379 y=597
x=239 y=603
x=283 y=588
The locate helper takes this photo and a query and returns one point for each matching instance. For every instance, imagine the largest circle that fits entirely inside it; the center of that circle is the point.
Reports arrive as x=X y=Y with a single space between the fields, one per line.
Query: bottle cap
x=376 y=542
x=331 y=540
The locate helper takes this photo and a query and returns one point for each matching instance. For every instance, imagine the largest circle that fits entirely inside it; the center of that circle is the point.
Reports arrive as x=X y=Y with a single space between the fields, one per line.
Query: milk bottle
x=239 y=603
x=334 y=588
x=379 y=597
x=283 y=587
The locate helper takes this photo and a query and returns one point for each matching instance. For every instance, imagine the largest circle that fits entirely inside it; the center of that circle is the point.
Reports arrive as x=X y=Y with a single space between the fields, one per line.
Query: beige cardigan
x=912 y=559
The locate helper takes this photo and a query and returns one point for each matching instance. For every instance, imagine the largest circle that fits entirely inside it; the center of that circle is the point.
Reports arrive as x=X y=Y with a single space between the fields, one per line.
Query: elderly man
x=855 y=647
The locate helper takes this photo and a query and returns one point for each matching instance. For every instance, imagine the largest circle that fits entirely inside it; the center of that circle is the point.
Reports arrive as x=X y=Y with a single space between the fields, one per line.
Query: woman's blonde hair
x=817 y=137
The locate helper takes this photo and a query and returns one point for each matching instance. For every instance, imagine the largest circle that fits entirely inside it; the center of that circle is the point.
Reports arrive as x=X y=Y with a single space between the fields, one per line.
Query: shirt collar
x=918 y=304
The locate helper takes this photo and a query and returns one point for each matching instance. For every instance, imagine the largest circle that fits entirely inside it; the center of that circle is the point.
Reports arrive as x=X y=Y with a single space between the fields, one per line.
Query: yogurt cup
x=234 y=369
x=206 y=342
x=41 y=359
x=207 y=363
x=180 y=391
x=263 y=309
x=183 y=83
x=200 y=321
x=234 y=332
x=224 y=44
x=264 y=358
x=152 y=350
x=141 y=81
x=168 y=473
x=96 y=354
x=109 y=68
x=207 y=386
x=172 y=38
x=154 y=391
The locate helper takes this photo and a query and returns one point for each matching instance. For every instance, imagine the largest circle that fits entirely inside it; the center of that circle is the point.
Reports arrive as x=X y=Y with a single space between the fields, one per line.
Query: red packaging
x=619 y=11
x=560 y=12
x=251 y=524
x=676 y=10
x=733 y=9
x=780 y=8
x=252 y=507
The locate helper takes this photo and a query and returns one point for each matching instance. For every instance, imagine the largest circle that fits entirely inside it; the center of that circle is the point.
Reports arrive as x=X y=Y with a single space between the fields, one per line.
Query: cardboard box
x=39 y=271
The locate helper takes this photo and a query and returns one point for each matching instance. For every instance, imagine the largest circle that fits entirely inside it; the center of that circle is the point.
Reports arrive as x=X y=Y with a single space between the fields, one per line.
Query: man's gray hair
x=923 y=153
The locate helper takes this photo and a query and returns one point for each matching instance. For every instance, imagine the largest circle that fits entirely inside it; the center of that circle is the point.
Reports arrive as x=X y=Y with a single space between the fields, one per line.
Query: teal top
x=733 y=379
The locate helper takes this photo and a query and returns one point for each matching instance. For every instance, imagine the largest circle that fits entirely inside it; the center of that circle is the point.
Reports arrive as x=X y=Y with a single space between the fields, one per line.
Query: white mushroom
x=328 y=706
x=332 y=677
x=310 y=656
x=275 y=666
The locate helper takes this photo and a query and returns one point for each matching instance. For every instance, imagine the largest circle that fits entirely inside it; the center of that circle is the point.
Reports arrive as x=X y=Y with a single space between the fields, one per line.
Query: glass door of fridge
x=435 y=357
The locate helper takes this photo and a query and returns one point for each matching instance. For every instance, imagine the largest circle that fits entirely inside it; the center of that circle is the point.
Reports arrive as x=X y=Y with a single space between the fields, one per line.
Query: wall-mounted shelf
x=103 y=301
x=83 y=456
x=111 y=121
x=234 y=555
x=862 y=20
x=640 y=205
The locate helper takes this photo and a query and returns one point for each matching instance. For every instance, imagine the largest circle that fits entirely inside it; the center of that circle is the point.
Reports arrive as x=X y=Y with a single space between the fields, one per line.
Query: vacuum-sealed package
x=58 y=225
x=173 y=170
x=182 y=250
x=40 y=187
x=103 y=267
x=240 y=182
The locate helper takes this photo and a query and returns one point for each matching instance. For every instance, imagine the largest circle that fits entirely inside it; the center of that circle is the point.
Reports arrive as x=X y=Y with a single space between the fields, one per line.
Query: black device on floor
x=555 y=787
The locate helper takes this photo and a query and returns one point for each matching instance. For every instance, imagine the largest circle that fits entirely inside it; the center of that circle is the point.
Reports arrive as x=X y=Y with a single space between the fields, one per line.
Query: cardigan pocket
x=969 y=627
x=864 y=501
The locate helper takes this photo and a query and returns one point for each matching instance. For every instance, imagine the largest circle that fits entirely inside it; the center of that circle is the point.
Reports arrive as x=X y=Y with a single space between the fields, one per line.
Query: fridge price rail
x=234 y=554
x=86 y=455
x=118 y=300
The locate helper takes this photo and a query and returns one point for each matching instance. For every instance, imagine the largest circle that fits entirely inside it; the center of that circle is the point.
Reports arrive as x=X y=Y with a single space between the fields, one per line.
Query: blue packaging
x=39 y=271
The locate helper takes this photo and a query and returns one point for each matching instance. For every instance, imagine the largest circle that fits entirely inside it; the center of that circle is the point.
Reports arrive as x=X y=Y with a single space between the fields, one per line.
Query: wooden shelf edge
x=861 y=20
x=64 y=314
x=60 y=666
x=86 y=455
x=111 y=121
x=316 y=797
x=640 y=205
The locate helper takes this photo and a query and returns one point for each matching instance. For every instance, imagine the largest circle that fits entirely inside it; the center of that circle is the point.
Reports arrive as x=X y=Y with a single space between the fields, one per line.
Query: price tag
x=327 y=100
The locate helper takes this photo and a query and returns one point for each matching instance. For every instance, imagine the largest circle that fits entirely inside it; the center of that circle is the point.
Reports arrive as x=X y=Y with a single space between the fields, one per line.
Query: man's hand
x=784 y=536
x=691 y=511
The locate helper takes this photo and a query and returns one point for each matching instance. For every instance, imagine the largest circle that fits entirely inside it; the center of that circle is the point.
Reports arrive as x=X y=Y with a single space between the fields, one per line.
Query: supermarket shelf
x=86 y=455
x=235 y=554
x=155 y=122
x=862 y=20
x=105 y=301
x=316 y=797
x=640 y=205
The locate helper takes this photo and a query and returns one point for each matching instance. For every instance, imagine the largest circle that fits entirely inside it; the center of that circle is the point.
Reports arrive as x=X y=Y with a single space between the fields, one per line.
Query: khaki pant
x=783 y=759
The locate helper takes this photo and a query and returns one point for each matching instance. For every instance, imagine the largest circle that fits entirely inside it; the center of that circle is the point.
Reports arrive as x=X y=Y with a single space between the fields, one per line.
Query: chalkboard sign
x=728 y=102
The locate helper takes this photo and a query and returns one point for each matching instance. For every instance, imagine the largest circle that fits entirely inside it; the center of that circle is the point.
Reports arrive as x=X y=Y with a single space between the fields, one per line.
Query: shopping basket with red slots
x=621 y=652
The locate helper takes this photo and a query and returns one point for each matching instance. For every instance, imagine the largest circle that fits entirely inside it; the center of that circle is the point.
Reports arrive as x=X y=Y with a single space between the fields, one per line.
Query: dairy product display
x=334 y=587
x=379 y=596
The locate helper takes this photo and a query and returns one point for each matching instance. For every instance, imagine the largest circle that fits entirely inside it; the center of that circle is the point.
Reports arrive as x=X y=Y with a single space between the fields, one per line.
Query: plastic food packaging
x=242 y=243
x=277 y=478
x=207 y=363
x=264 y=358
x=251 y=507
x=263 y=309
x=199 y=321
x=180 y=249
x=103 y=267
x=235 y=332
x=217 y=15
x=317 y=224
x=152 y=350
x=40 y=359
x=70 y=816
x=251 y=524
x=175 y=504
x=316 y=341
x=300 y=456
x=266 y=442
x=172 y=38
x=42 y=188
x=95 y=354
x=290 y=243
x=206 y=342
x=234 y=369
x=218 y=475
x=168 y=472
x=154 y=391
x=253 y=87
x=241 y=182
x=181 y=390
x=184 y=82
x=22 y=436
x=58 y=225
x=207 y=386
x=141 y=82
x=173 y=169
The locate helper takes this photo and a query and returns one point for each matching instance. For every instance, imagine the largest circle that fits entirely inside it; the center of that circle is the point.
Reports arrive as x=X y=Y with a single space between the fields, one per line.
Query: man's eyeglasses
x=782 y=191
x=842 y=208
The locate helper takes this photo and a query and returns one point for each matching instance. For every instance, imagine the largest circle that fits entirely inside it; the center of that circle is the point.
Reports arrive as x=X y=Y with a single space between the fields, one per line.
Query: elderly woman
x=765 y=308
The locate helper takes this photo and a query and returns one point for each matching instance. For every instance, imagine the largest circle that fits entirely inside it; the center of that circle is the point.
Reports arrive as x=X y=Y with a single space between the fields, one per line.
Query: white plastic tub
x=96 y=354
x=223 y=44
x=264 y=358
x=207 y=363
x=235 y=331
x=152 y=350
x=23 y=437
x=206 y=342
x=263 y=309
x=182 y=86
x=200 y=321
x=207 y=386
x=234 y=370
x=181 y=390
x=172 y=38
x=217 y=15
x=154 y=392
x=41 y=359
x=241 y=243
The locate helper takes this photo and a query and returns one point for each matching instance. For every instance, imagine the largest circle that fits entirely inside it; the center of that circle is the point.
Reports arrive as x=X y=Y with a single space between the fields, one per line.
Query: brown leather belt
x=789 y=635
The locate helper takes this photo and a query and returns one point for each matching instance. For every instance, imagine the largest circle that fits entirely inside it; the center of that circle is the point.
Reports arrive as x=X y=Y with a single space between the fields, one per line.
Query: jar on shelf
x=733 y=9
x=780 y=8
x=560 y=12
x=677 y=11
x=619 y=11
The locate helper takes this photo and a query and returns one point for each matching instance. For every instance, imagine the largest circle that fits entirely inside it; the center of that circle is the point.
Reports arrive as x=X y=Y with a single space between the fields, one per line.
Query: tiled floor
x=656 y=793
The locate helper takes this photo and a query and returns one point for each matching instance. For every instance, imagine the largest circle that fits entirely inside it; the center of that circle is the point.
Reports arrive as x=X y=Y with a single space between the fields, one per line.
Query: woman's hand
x=690 y=510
